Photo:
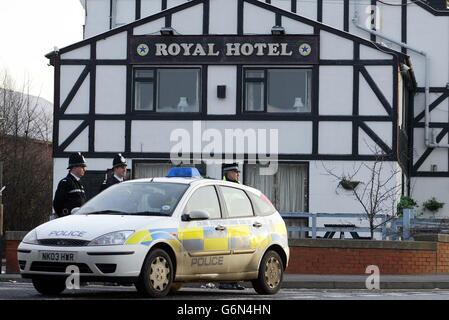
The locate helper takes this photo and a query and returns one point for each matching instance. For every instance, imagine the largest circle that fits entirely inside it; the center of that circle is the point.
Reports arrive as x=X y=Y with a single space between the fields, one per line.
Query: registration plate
x=55 y=256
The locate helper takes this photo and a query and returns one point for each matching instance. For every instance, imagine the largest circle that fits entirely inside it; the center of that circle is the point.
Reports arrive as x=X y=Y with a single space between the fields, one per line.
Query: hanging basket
x=348 y=184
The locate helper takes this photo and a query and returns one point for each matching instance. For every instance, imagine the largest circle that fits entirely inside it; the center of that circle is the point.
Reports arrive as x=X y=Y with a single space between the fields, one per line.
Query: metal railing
x=390 y=228
x=314 y=229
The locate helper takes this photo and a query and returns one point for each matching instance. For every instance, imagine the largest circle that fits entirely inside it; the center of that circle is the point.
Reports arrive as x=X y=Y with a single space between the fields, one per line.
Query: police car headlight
x=31 y=237
x=112 y=239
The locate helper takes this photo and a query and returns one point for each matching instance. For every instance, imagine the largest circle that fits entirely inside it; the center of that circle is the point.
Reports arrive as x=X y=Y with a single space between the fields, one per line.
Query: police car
x=159 y=233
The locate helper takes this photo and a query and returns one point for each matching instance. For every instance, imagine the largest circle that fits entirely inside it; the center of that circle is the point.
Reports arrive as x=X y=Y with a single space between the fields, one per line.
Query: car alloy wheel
x=159 y=275
x=273 y=272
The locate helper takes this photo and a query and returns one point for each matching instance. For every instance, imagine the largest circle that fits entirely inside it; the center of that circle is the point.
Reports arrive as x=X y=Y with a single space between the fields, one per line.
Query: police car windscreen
x=136 y=199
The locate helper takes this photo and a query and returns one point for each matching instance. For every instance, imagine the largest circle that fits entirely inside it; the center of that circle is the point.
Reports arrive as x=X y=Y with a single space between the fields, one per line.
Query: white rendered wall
x=221 y=75
x=336 y=88
x=333 y=13
x=223 y=17
x=152 y=27
x=110 y=93
x=109 y=136
x=257 y=20
x=335 y=137
x=149 y=7
x=80 y=53
x=125 y=12
x=143 y=133
x=97 y=19
x=295 y=27
x=335 y=47
x=189 y=21
x=113 y=47
x=423 y=189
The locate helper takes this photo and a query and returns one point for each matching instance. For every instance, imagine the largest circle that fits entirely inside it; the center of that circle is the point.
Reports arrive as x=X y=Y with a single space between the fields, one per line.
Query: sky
x=29 y=29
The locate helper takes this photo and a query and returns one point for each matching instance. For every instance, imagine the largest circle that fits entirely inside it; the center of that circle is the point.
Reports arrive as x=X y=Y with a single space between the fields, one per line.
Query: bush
x=405 y=203
x=433 y=205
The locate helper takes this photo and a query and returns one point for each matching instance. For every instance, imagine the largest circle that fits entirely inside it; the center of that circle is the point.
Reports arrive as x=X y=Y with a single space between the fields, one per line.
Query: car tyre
x=157 y=275
x=49 y=286
x=271 y=271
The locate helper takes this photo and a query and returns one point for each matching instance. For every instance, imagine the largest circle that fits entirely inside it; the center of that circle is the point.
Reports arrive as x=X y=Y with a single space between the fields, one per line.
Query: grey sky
x=29 y=29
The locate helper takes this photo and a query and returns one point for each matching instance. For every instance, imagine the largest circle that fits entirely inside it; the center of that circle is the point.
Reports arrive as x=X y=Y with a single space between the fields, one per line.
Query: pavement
x=304 y=281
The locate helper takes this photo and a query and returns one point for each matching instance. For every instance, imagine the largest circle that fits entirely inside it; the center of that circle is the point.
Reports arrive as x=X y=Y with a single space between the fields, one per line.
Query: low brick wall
x=13 y=239
x=428 y=255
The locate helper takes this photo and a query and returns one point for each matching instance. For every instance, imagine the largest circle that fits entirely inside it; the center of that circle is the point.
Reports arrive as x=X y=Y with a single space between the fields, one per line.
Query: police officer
x=119 y=171
x=70 y=192
x=231 y=172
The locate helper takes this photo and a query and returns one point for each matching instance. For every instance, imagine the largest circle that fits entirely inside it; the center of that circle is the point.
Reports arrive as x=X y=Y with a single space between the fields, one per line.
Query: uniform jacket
x=69 y=194
x=110 y=181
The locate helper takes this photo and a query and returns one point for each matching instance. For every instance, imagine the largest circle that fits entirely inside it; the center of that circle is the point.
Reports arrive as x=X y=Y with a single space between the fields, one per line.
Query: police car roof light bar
x=183 y=172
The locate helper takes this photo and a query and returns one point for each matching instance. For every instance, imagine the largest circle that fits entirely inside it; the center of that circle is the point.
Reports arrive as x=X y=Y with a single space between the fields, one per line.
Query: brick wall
x=12 y=264
x=429 y=254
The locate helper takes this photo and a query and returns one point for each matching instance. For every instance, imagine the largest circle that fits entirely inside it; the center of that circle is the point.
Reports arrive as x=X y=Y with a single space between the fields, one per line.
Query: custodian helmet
x=119 y=161
x=76 y=160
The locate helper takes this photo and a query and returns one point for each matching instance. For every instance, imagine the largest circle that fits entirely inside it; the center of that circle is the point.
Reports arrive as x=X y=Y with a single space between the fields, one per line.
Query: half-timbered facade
x=150 y=67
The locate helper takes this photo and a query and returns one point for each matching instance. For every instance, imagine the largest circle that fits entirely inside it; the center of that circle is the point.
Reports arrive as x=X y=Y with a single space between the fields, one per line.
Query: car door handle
x=257 y=225
x=220 y=228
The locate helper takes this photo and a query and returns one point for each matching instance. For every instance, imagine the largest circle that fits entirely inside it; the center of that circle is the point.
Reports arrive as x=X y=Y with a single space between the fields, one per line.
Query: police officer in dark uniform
x=119 y=172
x=70 y=192
x=231 y=173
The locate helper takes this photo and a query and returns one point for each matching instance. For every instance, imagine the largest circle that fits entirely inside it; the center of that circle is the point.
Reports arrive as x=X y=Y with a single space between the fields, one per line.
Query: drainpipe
x=427 y=140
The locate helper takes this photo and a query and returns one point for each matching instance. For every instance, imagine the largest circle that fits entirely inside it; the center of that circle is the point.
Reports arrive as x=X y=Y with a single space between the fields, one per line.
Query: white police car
x=160 y=233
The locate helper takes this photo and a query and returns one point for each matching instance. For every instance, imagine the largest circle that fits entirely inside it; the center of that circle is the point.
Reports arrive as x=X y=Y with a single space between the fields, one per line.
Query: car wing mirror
x=75 y=210
x=196 y=215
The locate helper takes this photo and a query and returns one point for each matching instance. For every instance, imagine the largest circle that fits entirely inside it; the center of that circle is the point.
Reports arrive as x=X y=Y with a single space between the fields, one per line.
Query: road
x=25 y=291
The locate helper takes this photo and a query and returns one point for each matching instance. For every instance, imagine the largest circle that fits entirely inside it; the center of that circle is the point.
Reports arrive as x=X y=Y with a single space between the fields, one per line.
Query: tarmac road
x=25 y=291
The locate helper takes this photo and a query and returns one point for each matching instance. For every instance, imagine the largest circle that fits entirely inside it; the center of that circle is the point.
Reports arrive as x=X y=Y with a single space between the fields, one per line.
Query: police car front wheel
x=49 y=286
x=156 y=277
x=270 y=274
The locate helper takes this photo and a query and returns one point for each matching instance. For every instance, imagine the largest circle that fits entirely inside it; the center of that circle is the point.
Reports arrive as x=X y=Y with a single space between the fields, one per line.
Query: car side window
x=204 y=199
x=262 y=205
x=237 y=202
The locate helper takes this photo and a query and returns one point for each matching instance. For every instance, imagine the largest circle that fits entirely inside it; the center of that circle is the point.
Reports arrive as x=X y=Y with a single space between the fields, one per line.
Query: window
x=262 y=204
x=237 y=202
x=205 y=199
x=278 y=90
x=286 y=189
x=167 y=90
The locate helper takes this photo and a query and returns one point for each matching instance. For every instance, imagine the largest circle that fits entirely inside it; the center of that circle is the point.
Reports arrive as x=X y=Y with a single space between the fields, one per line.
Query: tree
x=378 y=193
x=26 y=151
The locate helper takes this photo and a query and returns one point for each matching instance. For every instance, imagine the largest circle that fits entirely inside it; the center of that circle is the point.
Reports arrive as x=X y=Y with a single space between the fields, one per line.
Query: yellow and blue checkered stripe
x=234 y=237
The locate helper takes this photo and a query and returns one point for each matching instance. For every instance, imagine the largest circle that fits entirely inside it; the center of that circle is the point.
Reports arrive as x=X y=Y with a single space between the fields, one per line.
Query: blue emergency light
x=182 y=172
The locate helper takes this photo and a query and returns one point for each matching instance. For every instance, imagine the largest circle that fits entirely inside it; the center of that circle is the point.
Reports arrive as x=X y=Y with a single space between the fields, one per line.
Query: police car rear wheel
x=270 y=274
x=49 y=286
x=157 y=275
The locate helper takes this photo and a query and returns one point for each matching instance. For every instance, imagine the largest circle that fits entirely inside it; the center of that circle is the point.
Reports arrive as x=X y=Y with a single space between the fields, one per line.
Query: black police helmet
x=76 y=160
x=119 y=161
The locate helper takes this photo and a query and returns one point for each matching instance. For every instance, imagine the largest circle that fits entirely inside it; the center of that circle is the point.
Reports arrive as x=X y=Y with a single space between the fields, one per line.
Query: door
x=240 y=224
x=205 y=241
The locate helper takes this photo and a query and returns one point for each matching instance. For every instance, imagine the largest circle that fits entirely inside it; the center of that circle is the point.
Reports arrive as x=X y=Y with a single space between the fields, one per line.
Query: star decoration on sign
x=142 y=50
x=305 y=49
